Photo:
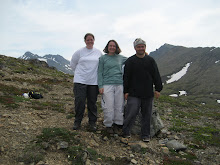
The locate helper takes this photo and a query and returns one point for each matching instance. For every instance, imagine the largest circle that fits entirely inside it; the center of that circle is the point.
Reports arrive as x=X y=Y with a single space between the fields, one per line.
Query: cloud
x=58 y=26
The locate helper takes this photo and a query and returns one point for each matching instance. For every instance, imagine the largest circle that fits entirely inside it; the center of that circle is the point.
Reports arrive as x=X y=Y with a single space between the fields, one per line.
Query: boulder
x=156 y=123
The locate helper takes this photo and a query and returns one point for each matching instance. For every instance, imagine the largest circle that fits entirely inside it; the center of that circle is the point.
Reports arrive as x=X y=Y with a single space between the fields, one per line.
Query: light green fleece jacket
x=110 y=71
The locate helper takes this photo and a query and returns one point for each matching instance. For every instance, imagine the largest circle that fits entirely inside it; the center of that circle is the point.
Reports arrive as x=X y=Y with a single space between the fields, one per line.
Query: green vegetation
x=54 y=106
x=75 y=151
x=175 y=161
x=207 y=135
x=183 y=114
x=70 y=116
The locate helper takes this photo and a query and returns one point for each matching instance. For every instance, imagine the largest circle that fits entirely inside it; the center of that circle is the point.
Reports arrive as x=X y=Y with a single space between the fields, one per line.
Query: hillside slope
x=202 y=78
x=39 y=131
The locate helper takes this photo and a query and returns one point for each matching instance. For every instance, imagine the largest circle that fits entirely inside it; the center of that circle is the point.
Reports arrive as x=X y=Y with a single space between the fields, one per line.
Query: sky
x=58 y=26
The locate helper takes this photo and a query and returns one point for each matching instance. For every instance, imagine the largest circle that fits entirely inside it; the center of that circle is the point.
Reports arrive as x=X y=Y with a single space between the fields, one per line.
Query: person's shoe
x=109 y=130
x=76 y=126
x=92 y=127
x=117 y=129
x=146 y=139
x=126 y=136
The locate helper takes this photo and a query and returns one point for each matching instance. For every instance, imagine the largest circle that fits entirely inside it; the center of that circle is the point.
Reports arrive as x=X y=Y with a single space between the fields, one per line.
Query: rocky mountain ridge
x=201 y=81
x=57 y=61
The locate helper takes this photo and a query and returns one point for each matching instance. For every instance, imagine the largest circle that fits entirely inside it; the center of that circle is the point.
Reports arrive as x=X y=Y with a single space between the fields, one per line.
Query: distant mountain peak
x=56 y=61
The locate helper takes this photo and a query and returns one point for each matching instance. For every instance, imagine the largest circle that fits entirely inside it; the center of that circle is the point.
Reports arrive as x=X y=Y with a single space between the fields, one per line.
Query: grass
x=12 y=101
x=53 y=135
x=207 y=135
x=32 y=154
x=36 y=150
x=70 y=116
x=180 y=102
x=38 y=105
x=175 y=161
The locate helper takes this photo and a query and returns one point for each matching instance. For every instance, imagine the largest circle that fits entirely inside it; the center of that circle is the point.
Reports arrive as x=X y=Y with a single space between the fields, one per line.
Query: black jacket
x=140 y=74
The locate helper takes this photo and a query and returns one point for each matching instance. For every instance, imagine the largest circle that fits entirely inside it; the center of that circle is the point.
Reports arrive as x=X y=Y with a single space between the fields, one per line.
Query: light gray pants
x=113 y=105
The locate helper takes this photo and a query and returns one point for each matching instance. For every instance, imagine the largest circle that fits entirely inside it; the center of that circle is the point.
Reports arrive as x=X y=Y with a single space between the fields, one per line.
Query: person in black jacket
x=141 y=76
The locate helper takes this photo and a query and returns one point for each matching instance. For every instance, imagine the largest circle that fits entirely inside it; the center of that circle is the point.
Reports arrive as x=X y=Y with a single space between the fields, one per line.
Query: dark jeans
x=133 y=106
x=81 y=93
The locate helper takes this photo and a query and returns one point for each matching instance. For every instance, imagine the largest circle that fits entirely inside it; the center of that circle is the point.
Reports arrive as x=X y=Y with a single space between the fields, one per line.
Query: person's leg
x=118 y=105
x=146 y=110
x=108 y=105
x=131 y=111
x=92 y=93
x=80 y=99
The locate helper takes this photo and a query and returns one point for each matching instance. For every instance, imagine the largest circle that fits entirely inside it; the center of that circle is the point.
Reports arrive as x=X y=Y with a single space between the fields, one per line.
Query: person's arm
x=74 y=61
x=124 y=59
x=100 y=75
x=126 y=79
x=157 y=80
x=156 y=94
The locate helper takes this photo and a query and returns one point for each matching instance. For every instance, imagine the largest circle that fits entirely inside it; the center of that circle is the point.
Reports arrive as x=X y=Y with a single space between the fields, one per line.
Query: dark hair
x=89 y=34
x=118 y=50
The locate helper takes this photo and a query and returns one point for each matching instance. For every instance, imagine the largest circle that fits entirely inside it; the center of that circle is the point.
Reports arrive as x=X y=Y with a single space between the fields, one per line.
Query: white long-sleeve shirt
x=84 y=63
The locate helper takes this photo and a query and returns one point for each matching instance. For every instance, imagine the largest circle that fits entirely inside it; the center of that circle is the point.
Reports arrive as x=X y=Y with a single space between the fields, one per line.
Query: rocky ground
x=23 y=120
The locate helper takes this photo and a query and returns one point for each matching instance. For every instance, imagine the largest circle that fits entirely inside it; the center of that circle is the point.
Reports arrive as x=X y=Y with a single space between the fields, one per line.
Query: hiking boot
x=76 y=126
x=146 y=139
x=92 y=127
x=126 y=136
x=109 y=130
x=117 y=129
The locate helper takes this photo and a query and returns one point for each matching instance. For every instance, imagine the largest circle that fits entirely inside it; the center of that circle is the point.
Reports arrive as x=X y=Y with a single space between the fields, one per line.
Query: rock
x=163 y=141
x=143 y=145
x=62 y=145
x=45 y=145
x=134 y=161
x=113 y=157
x=93 y=143
x=131 y=156
x=2 y=149
x=165 y=150
x=40 y=163
x=151 y=162
x=135 y=147
x=156 y=123
x=175 y=145
x=85 y=157
x=105 y=138
x=87 y=162
x=176 y=137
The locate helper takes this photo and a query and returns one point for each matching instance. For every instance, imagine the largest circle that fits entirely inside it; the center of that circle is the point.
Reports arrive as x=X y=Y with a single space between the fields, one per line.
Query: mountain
x=202 y=77
x=56 y=61
x=39 y=131
x=201 y=67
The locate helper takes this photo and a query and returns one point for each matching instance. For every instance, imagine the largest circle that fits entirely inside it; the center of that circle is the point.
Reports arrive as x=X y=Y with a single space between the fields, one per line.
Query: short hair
x=89 y=34
x=118 y=50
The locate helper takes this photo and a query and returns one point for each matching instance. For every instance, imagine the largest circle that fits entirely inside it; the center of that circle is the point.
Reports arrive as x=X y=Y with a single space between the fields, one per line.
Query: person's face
x=111 y=47
x=140 y=49
x=89 y=42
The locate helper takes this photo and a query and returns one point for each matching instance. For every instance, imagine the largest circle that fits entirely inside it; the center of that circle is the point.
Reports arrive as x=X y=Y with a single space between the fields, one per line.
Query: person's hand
x=101 y=90
x=156 y=94
x=126 y=96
